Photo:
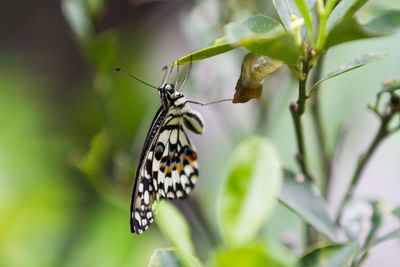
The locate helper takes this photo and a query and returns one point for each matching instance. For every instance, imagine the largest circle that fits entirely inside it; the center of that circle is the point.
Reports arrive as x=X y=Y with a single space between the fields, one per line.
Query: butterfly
x=167 y=167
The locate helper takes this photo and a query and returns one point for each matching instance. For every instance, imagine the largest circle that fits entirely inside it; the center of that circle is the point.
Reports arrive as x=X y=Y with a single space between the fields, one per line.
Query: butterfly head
x=168 y=94
x=169 y=88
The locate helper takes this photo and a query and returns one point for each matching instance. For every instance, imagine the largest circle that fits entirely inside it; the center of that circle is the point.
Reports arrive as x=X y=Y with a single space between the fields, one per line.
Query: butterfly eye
x=170 y=88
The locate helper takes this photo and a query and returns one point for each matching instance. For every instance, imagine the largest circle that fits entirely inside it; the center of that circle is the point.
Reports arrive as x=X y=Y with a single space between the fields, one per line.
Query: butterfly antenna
x=210 y=103
x=187 y=74
x=165 y=69
x=169 y=76
x=177 y=75
x=137 y=79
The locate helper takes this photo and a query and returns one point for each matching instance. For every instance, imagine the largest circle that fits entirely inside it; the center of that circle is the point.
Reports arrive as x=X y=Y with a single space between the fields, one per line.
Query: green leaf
x=268 y=39
x=210 y=51
x=176 y=230
x=287 y=8
x=396 y=212
x=345 y=9
x=284 y=12
x=257 y=33
x=379 y=213
x=249 y=195
x=350 y=29
x=265 y=36
x=305 y=12
x=254 y=25
x=392 y=235
x=253 y=256
x=359 y=61
x=386 y=23
x=279 y=46
x=164 y=258
x=330 y=254
x=306 y=201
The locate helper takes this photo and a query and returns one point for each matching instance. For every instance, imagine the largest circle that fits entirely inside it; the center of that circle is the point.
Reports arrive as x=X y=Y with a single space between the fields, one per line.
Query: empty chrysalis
x=254 y=70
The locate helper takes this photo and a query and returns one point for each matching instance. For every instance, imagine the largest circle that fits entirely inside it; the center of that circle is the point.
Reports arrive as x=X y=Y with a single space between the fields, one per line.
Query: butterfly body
x=167 y=167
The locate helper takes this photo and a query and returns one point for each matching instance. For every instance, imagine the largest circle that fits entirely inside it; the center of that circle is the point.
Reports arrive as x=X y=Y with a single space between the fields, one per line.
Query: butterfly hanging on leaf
x=167 y=167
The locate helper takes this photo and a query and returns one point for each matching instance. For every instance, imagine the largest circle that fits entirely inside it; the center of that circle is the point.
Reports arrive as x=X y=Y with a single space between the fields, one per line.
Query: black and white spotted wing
x=168 y=163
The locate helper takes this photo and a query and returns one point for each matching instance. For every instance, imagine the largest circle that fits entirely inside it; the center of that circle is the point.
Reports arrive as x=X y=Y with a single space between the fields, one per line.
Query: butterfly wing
x=168 y=165
x=143 y=192
x=175 y=167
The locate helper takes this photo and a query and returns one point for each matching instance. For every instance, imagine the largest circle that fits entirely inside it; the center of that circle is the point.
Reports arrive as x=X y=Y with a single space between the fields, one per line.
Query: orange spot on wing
x=192 y=156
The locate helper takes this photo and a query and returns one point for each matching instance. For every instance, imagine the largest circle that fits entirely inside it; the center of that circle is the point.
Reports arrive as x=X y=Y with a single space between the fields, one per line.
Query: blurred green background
x=71 y=129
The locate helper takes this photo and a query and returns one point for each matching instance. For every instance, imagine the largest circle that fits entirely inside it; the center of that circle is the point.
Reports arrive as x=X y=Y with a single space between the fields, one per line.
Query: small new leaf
x=305 y=12
x=254 y=70
x=395 y=234
x=357 y=62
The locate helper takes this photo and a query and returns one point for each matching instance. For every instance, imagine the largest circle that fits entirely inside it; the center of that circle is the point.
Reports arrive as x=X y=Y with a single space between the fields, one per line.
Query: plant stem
x=383 y=131
x=323 y=11
x=361 y=260
x=318 y=125
x=297 y=110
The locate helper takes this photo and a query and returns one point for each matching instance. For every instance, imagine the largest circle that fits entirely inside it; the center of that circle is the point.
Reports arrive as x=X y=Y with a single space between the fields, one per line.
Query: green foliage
x=218 y=47
x=286 y=9
x=259 y=34
x=343 y=10
x=305 y=200
x=359 y=61
x=350 y=29
x=386 y=23
x=175 y=229
x=252 y=256
x=330 y=254
x=164 y=258
x=34 y=190
x=305 y=12
x=254 y=177
x=396 y=212
x=272 y=46
x=395 y=234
